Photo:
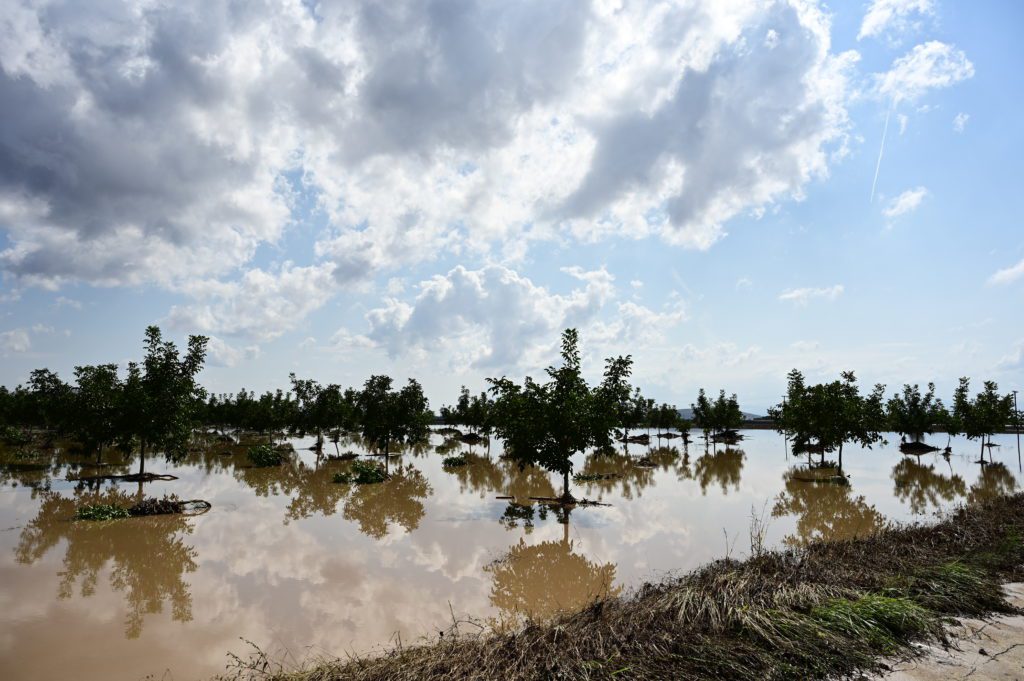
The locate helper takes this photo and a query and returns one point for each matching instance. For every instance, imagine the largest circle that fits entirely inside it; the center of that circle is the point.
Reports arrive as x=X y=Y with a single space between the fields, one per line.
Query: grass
x=828 y=610
x=263 y=455
x=362 y=473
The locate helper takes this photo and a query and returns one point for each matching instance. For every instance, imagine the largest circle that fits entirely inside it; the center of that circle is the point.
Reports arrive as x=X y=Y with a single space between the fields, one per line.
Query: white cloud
x=1013 y=360
x=15 y=340
x=906 y=202
x=903 y=119
x=419 y=133
x=801 y=296
x=61 y=301
x=804 y=346
x=1008 y=275
x=224 y=355
x=928 y=66
x=261 y=305
x=743 y=282
x=960 y=121
x=885 y=15
x=495 y=318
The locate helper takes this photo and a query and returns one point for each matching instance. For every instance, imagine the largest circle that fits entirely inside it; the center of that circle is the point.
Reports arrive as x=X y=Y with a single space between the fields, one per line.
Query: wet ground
x=302 y=566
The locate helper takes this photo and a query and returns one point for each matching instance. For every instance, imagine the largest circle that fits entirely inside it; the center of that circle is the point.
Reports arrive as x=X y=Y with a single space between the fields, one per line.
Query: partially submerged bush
x=454 y=461
x=362 y=473
x=9 y=435
x=264 y=455
x=101 y=512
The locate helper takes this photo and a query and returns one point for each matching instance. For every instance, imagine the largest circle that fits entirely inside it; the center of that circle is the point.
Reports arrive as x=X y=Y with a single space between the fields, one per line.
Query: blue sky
x=437 y=189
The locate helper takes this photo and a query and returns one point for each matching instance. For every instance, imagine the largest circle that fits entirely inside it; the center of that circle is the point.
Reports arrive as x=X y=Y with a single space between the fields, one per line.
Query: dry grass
x=828 y=610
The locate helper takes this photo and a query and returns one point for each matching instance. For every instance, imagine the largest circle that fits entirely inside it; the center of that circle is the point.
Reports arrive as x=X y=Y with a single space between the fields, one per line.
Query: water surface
x=302 y=566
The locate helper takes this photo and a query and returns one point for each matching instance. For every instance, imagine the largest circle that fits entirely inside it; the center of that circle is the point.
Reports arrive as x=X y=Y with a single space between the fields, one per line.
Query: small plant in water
x=264 y=455
x=101 y=512
x=362 y=473
x=453 y=461
x=593 y=477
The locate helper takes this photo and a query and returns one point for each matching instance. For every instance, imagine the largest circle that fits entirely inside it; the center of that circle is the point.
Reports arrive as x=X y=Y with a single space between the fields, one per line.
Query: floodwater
x=301 y=566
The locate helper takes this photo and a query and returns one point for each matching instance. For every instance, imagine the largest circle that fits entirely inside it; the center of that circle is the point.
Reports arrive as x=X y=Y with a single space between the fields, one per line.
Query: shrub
x=453 y=461
x=362 y=473
x=101 y=512
x=264 y=455
x=10 y=435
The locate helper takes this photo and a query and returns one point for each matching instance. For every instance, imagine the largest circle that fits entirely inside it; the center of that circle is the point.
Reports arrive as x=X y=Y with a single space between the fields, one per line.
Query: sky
x=724 y=189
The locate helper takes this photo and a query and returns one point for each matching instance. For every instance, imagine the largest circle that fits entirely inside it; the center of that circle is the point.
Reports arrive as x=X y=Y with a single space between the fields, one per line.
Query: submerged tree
x=718 y=417
x=987 y=413
x=388 y=416
x=96 y=404
x=828 y=415
x=546 y=424
x=914 y=415
x=161 y=399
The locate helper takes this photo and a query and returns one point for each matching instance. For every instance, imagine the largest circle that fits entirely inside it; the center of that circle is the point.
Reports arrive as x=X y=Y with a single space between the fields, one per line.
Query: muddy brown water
x=303 y=567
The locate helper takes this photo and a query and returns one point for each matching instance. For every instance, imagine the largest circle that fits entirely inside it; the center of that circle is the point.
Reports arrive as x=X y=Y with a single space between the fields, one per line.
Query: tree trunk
x=565 y=484
x=840 y=458
x=142 y=458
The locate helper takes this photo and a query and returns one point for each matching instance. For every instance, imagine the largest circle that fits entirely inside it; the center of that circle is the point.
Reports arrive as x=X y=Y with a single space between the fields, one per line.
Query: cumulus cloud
x=221 y=354
x=261 y=305
x=495 y=318
x=15 y=340
x=1008 y=275
x=1013 y=360
x=960 y=121
x=145 y=146
x=886 y=15
x=801 y=296
x=928 y=66
x=906 y=202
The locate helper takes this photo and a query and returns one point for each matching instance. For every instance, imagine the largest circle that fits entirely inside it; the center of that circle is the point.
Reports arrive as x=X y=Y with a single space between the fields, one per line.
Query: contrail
x=878 y=166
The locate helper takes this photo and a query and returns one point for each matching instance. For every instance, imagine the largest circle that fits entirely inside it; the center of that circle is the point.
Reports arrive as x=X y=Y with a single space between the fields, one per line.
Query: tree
x=546 y=424
x=161 y=399
x=49 y=399
x=96 y=403
x=830 y=414
x=988 y=413
x=393 y=416
x=915 y=415
x=718 y=417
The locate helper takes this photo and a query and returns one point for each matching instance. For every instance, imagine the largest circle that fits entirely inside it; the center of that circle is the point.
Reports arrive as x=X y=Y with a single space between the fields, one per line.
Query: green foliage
x=96 y=403
x=388 y=416
x=264 y=455
x=915 y=415
x=716 y=417
x=362 y=473
x=987 y=413
x=883 y=622
x=545 y=424
x=454 y=461
x=101 y=512
x=12 y=436
x=830 y=414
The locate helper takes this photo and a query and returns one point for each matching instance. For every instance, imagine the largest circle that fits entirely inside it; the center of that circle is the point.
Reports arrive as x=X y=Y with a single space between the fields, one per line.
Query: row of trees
x=825 y=416
x=158 y=404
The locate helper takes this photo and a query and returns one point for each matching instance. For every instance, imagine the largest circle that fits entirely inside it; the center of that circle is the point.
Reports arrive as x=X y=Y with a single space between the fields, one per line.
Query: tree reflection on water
x=147 y=558
x=824 y=510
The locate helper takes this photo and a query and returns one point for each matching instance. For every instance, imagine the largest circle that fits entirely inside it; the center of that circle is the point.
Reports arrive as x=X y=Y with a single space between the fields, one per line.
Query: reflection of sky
x=317 y=584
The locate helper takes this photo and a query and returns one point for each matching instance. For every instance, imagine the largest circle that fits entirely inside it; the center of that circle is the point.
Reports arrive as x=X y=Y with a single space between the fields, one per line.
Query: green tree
x=546 y=424
x=96 y=402
x=987 y=413
x=161 y=399
x=830 y=414
x=389 y=416
x=914 y=415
